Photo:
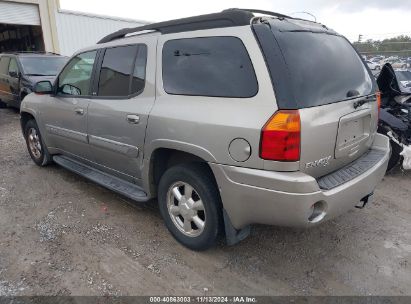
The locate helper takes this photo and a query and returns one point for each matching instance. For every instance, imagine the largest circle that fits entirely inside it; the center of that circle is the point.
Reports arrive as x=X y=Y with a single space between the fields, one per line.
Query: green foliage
x=400 y=46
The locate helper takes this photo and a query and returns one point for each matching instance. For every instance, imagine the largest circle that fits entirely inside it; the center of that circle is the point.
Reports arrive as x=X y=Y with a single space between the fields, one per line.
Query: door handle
x=133 y=119
x=79 y=111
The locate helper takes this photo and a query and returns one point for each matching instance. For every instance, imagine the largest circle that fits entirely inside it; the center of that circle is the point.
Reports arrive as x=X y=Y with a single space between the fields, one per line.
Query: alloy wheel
x=34 y=143
x=186 y=209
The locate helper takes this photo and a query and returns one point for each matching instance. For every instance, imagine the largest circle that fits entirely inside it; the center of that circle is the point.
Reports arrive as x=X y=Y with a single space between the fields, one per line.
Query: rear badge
x=323 y=162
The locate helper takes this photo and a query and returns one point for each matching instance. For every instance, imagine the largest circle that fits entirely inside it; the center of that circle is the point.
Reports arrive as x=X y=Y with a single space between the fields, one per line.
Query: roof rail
x=226 y=18
x=258 y=11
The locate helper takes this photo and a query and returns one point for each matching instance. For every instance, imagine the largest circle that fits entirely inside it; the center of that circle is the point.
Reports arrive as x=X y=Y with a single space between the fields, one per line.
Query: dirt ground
x=63 y=235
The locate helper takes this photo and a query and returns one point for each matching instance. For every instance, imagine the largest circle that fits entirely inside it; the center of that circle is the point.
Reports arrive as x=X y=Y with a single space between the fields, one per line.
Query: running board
x=116 y=184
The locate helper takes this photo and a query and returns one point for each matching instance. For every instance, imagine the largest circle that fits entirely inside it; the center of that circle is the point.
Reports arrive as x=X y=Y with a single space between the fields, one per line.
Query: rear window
x=123 y=71
x=323 y=68
x=208 y=66
x=116 y=70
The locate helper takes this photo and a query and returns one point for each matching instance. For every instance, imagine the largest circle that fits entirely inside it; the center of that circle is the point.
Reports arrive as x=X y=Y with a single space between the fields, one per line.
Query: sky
x=376 y=19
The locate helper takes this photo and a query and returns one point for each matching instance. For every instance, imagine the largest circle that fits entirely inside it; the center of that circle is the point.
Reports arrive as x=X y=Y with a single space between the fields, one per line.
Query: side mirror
x=69 y=89
x=43 y=87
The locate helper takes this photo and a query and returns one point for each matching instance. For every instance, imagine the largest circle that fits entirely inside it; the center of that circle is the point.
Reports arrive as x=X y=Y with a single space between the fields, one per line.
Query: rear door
x=118 y=113
x=319 y=73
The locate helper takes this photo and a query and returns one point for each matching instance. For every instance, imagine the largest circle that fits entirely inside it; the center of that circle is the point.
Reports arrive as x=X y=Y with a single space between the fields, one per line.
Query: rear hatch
x=318 y=72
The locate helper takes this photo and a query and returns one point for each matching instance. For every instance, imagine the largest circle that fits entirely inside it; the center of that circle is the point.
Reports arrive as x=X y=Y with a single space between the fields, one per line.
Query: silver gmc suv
x=228 y=119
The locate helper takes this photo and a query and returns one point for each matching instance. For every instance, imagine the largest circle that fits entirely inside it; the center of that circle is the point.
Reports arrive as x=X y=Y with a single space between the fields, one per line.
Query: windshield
x=42 y=66
x=323 y=68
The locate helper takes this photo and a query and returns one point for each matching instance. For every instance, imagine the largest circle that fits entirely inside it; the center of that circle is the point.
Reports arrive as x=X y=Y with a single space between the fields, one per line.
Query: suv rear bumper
x=253 y=196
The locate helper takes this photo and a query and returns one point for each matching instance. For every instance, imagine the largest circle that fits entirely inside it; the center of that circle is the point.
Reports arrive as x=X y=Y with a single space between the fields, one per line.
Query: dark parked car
x=20 y=71
x=395 y=115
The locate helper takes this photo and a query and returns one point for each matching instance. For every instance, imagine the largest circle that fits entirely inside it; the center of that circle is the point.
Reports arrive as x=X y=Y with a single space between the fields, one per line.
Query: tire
x=205 y=205
x=35 y=144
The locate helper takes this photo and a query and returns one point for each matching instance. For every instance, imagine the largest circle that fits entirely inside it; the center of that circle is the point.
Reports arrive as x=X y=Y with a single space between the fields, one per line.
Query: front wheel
x=35 y=145
x=190 y=205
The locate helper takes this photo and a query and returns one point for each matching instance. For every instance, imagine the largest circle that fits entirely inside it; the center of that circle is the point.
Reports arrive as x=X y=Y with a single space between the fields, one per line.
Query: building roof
x=226 y=18
x=97 y=16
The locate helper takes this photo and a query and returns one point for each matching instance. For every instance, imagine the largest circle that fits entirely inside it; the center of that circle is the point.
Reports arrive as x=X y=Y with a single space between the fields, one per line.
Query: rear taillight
x=378 y=95
x=281 y=136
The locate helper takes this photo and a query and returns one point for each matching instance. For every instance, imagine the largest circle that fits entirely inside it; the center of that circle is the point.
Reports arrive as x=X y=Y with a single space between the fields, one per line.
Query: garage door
x=19 y=13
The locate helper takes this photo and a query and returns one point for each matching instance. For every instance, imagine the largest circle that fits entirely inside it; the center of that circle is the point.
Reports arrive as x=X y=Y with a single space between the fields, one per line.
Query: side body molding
x=78 y=136
x=101 y=142
x=115 y=146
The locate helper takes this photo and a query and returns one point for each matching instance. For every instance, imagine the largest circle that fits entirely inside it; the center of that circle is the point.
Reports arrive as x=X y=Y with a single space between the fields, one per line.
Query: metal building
x=41 y=25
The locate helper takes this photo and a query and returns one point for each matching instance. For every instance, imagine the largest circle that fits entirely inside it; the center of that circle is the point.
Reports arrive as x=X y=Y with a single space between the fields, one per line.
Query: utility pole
x=360 y=38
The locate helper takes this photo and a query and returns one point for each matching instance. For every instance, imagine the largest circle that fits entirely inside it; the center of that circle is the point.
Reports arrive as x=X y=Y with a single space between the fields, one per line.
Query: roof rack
x=226 y=18
x=257 y=11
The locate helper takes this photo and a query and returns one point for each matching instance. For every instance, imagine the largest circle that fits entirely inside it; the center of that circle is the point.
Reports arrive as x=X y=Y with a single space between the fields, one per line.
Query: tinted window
x=4 y=65
x=116 y=71
x=13 y=67
x=75 y=79
x=323 y=68
x=42 y=66
x=211 y=66
x=139 y=74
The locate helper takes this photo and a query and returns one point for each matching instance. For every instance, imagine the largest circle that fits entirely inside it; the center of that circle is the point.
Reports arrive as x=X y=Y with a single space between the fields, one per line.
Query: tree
x=400 y=46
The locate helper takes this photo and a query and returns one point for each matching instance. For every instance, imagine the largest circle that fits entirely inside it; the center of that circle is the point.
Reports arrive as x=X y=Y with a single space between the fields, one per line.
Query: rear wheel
x=35 y=145
x=190 y=205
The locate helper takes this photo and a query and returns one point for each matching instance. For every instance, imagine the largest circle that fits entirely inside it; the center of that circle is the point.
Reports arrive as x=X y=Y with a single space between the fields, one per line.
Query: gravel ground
x=63 y=235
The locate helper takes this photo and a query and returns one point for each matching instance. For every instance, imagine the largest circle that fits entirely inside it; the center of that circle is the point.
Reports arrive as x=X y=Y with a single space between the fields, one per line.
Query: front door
x=118 y=115
x=65 y=115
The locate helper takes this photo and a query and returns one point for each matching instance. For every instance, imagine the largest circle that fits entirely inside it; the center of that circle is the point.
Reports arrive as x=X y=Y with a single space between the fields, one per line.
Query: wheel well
x=25 y=117
x=163 y=159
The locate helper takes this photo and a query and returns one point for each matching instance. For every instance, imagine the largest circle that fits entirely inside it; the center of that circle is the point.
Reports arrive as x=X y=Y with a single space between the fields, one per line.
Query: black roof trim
x=226 y=18
x=258 y=11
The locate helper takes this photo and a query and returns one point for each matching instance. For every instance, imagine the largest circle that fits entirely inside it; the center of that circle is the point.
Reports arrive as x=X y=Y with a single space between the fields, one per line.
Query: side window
x=139 y=75
x=75 y=79
x=4 y=65
x=122 y=71
x=13 y=67
x=208 y=66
